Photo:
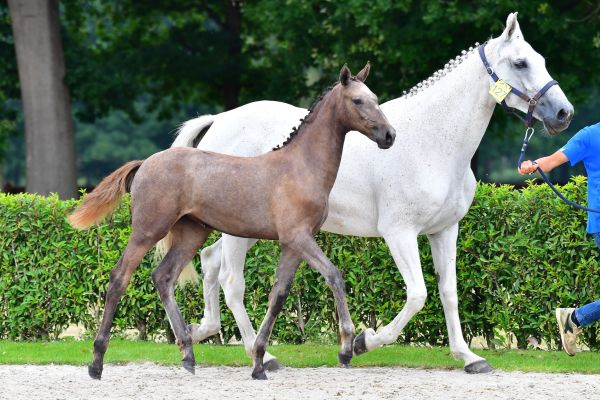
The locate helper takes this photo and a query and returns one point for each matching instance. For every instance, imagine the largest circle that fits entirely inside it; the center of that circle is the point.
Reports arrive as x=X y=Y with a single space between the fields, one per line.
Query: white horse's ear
x=512 y=29
x=362 y=75
x=345 y=75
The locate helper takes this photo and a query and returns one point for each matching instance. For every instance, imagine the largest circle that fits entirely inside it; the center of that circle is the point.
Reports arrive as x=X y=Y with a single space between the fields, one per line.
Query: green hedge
x=521 y=253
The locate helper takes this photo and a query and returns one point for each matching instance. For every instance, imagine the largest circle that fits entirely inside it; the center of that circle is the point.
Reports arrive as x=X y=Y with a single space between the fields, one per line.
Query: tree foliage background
x=137 y=68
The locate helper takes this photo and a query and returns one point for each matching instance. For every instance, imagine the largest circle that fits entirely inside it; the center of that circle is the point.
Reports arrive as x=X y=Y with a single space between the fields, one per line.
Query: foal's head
x=358 y=108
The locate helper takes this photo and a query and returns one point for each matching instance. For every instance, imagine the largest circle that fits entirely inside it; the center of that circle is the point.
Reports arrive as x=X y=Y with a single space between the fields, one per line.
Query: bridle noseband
x=503 y=89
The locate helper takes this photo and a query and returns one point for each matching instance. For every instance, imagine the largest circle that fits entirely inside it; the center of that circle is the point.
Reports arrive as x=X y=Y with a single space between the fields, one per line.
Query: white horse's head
x=517 y=63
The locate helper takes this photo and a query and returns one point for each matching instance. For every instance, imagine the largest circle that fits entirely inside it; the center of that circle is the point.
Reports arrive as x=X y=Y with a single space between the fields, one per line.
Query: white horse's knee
x=415 y=301
x=233 y=288
x=449 y=297
x=210 y=258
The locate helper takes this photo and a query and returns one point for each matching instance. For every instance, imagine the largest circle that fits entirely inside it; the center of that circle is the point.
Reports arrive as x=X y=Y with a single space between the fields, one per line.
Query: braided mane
x=304 y=121
x=440 y=73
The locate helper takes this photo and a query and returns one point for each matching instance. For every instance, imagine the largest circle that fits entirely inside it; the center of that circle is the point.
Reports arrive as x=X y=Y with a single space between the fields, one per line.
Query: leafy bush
x=521 y=253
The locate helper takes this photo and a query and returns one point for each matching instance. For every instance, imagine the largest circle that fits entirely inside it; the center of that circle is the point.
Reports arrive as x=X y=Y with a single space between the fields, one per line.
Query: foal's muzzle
x=386 y=140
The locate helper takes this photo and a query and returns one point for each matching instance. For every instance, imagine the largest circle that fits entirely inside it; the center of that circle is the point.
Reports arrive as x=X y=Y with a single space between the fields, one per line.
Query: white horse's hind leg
x=223 y=263
x=231 y=277
x=404 y=249
x=211 y=322
x=443 y=250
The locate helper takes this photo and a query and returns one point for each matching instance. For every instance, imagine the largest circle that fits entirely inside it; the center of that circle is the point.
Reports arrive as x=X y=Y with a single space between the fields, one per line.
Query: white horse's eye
x=520 y=64
x=357 y=100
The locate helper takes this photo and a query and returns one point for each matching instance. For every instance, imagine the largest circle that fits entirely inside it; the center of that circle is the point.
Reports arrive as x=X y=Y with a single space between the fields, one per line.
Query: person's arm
x=547 y=163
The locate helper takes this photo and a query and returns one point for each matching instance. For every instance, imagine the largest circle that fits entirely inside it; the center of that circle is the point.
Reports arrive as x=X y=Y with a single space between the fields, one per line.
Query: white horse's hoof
x=360 y=345
x=360 y=342
x=478 y=367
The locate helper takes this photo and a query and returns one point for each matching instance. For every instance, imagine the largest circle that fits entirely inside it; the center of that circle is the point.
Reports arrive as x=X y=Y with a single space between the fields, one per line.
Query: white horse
x=423 y=185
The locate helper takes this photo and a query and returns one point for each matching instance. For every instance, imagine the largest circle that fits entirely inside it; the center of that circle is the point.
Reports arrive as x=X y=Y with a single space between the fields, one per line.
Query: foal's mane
x=305 y=121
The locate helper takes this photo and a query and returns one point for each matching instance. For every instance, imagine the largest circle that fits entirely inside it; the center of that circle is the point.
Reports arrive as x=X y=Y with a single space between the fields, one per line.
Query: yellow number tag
x=500 y=90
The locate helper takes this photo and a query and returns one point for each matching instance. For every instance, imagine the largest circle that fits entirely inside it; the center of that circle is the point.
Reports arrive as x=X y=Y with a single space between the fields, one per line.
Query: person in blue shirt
x=583 y=147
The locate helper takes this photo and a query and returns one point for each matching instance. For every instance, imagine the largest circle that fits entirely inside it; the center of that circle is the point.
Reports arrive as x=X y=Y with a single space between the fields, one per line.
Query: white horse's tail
x=187 y=136
x=188 y=132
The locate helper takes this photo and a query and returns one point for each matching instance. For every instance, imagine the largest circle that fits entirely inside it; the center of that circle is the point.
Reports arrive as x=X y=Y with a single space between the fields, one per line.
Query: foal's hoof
x=273 y=365
x=259 y=375
x=189 y=367
x=360 y=344
x=95 y=372
x=344 y=360
x=478 y=367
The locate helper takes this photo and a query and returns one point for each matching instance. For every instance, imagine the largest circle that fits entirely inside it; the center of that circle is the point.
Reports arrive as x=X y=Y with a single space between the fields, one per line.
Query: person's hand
x=528 y=167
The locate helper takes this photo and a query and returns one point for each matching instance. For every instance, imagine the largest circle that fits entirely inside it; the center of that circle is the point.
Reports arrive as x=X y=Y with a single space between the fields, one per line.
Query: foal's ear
x=512 y=29
x=345 y=75
x=362 y=75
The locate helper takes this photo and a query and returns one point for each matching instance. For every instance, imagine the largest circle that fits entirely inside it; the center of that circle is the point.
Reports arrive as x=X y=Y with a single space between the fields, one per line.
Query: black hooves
x=360 y=344
x=259 y=375
x=189 y=367
x=273 y=365
x=95 y=372
x=478 y=367
x=344 y=359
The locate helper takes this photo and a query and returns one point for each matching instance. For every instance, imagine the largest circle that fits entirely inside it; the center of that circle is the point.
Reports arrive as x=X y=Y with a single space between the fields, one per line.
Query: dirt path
x=150 y=381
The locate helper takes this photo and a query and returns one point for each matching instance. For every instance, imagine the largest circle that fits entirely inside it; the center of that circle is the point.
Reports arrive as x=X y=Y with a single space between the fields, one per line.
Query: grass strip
x=307 y=355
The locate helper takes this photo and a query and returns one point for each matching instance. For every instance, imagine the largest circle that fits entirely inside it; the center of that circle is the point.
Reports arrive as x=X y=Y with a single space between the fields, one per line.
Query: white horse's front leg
x=404 y=249
x=223 y=263
x=443 y=250
x=211 y=322
x=231 y=278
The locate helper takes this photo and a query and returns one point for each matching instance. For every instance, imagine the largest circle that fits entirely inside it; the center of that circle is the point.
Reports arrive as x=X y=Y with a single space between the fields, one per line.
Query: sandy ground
x=150 y=381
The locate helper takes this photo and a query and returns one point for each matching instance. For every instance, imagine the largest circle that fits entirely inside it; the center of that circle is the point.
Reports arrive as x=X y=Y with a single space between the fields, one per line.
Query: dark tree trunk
x=233 y=26
x=49 y=133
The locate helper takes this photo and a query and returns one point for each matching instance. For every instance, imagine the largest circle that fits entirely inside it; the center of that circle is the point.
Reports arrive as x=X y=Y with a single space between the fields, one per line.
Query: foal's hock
x=280 y=195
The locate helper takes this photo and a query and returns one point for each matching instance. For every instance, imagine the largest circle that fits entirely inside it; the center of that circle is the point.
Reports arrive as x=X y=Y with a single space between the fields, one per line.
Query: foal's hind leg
x=136 y=248
x=288 y=264
x=188 y=237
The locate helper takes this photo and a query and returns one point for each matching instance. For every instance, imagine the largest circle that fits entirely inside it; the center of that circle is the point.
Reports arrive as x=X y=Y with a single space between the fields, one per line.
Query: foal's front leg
x=310 y=251
x=288 y=264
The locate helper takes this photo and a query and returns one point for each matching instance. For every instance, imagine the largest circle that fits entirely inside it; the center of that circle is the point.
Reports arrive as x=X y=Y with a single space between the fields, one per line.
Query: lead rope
x=528 y=135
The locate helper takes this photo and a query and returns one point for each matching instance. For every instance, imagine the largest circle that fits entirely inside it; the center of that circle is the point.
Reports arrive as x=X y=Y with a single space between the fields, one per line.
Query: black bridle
x=528 y=121
x=532 y=101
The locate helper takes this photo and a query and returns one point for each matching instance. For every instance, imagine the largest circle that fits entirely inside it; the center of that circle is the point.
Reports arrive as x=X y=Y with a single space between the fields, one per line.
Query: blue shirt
x=585 y=146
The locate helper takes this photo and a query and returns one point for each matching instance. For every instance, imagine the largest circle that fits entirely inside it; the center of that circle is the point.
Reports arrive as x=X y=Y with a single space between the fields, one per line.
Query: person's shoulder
x=591 y=129
x=589 y=134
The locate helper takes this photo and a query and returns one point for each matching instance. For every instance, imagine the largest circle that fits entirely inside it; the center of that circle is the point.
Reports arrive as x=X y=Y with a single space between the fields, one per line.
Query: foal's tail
x=105 y=197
